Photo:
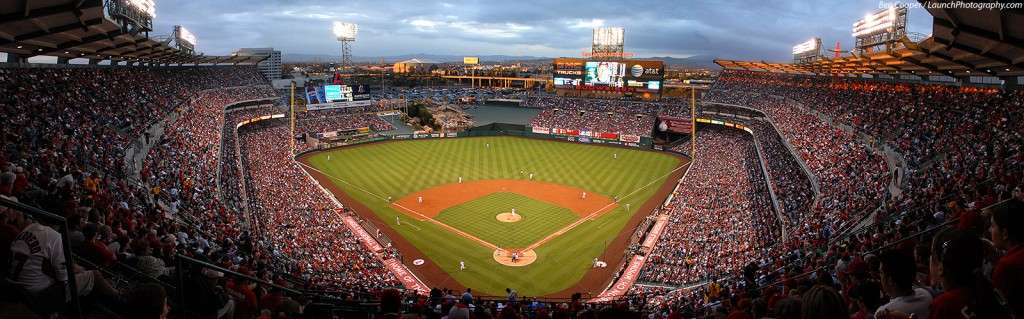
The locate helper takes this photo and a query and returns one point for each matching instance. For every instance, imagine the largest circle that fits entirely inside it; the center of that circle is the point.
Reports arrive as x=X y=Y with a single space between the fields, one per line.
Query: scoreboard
x=610 y=75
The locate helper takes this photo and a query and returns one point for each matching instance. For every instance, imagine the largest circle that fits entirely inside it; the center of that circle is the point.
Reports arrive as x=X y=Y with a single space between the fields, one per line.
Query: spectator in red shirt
x=242 y=291
x=742 y=310
x=95 y=250
x=1007 y=234
x=957 y=259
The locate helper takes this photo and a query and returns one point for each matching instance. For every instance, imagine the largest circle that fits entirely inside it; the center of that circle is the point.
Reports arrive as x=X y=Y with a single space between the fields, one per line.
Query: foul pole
x=291 y=111
x=693 y=122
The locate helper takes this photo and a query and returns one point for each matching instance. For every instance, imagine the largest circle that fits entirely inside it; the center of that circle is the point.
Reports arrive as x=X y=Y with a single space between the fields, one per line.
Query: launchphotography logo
x=953 y=5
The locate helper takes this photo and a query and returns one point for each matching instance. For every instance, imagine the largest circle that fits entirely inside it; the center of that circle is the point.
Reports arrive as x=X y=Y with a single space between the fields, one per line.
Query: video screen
x=654 y=85
x=332 y=93
x=568 y=82
x=604 y=73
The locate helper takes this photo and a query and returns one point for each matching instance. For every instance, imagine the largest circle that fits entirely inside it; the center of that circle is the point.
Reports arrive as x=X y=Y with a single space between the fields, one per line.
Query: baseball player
x=462 y=265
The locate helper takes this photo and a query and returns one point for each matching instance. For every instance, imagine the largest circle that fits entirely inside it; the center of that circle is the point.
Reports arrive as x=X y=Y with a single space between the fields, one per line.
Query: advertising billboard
x=617 y=75
x=470 y=60
x=605 y=73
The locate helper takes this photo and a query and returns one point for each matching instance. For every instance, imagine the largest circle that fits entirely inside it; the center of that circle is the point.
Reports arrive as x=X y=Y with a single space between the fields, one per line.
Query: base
x=504 y=257
x=509 y=217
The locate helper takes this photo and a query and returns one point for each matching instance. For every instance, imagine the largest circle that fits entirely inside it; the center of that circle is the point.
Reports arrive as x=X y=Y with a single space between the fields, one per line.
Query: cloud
x=583 y=24
x=474 y=28
x=762 y=30
x=424 y=25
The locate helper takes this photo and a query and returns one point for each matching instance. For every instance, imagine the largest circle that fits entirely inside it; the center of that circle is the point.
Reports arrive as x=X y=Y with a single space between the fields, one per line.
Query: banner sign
x=408 y=279
x=338 y=105
x=608 y=136
x=361 y=233
x=629 y=138
x=560 y=131
x=541 y=130
x=652 y=237
x=621 y=286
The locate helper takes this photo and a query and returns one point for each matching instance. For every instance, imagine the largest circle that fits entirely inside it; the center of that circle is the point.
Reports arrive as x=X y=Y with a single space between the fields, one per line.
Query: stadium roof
x=963 y=43
x=81 y=29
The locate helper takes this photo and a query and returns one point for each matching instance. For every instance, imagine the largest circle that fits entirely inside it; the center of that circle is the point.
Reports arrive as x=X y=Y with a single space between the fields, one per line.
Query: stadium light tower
x=346 y=34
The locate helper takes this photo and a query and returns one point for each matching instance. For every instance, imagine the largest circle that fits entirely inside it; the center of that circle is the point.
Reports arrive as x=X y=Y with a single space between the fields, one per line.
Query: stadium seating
x=721 y=220
x=299 y=222
x=613 y=116
x=232 y=197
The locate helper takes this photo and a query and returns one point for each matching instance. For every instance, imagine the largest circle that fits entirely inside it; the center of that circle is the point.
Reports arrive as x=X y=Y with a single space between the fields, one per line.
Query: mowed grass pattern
x=370 y=173
x=478 y=217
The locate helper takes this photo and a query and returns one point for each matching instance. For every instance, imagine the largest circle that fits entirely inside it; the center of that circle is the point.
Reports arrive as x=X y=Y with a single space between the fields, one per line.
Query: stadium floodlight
x=810 y=45
x=608 y=36
x=146 y=6
x=346 y=34
x=608 y=43
x=875 y=22
x=182 y=34
x=345 y=31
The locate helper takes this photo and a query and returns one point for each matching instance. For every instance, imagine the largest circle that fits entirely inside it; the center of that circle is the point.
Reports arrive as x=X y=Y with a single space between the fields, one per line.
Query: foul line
x=595 y=213
x=450 y=228
x=340 y=180
x=487 y=244
x=423 y=217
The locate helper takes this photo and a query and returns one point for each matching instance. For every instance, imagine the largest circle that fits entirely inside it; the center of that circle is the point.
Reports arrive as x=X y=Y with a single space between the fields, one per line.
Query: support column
x=963 y=80
x=1011 y=83
x=15 y=58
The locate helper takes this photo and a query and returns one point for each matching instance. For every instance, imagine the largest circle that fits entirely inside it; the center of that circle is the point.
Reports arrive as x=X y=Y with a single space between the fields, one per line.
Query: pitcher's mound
x=525 y=257
x=509 y=217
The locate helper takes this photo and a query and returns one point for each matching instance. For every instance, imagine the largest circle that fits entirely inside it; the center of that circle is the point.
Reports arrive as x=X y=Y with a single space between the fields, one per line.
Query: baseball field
x=554 y=206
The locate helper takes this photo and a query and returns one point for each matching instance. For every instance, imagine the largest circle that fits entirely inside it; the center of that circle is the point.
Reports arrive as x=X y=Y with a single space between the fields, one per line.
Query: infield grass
x=371 y=173
x=477 y=217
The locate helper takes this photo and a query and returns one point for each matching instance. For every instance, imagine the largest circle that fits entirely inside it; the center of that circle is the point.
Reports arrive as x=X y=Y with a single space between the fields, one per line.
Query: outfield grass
x=373 y=172
x=477 y=217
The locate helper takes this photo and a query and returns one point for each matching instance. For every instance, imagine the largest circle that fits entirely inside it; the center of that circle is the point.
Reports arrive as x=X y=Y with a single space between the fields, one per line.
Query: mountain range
x=697 y=61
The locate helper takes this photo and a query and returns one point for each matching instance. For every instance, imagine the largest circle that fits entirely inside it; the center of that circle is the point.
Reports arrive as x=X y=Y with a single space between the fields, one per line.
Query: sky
x=750 y=29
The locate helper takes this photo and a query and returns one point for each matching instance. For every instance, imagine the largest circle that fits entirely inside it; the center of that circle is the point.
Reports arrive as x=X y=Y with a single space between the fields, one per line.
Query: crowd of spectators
x=597 y=115
x=63 y=142
x=853 y=178
x=721 y=219
x=181 y=169
x=341 y=122
x=792 y=187
x=233 y=193
x=936 y=252
x=302 y=229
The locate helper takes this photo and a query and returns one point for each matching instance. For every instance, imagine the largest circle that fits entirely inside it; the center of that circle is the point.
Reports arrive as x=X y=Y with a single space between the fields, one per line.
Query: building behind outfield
x=271 y=67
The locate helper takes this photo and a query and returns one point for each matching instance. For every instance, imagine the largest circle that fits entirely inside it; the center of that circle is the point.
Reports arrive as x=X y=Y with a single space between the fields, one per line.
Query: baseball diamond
x=560 y=232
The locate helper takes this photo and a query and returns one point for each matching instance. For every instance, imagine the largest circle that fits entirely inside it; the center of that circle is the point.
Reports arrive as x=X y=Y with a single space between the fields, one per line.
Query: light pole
x=346 y=34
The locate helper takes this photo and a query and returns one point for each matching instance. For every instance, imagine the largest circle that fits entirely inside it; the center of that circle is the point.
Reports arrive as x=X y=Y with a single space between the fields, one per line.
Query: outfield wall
x=642 y=142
